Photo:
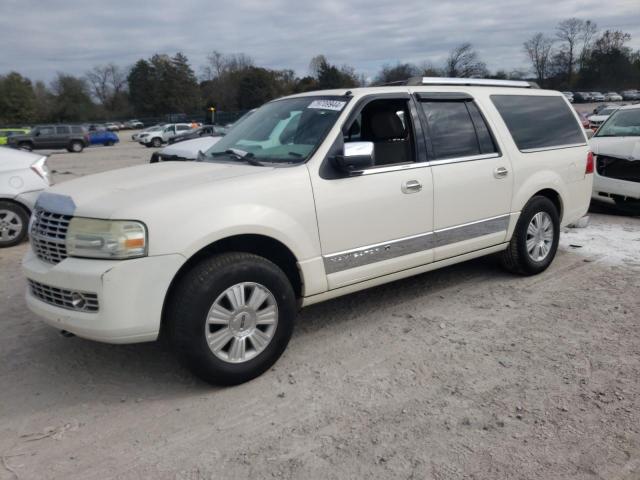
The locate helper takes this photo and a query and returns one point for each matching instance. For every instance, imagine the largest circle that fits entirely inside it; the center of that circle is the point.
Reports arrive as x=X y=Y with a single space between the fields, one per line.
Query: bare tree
x=463 y=61
x=107 y=82
x=218 y=64
x=589 y=30
x=538 y=49
x=569 y=32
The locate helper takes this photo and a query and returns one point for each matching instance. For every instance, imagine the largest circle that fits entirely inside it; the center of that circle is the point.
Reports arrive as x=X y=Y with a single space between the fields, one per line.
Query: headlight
x=117 y=239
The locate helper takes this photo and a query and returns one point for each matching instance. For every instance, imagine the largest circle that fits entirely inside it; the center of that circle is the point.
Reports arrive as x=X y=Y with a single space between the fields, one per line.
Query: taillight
x=590 y=163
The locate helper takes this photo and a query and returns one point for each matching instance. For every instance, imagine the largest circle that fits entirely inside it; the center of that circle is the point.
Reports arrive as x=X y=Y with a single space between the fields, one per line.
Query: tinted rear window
x=538 y=122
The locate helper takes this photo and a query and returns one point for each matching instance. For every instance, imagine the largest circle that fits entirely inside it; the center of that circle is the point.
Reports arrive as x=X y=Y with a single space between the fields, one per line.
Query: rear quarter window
x=539 y=121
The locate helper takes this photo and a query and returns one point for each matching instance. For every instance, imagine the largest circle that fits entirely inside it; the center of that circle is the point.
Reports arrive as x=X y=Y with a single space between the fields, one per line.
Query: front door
x=44 y=137
x=380 y=220
x=472 y=178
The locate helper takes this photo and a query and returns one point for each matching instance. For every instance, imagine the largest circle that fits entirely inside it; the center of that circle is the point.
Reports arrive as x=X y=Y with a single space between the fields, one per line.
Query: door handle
x=500 y=172
x=411 y=186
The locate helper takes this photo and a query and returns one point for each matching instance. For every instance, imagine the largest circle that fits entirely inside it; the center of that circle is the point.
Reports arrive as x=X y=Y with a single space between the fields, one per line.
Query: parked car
x=616 y=147
x=8 y=132
x=134 y=124
x=597 y=97
x=104 y=137
x=204 y=131
x=612 y=97
x=630 y=95
x=187 y=150
x=112 y=127
x=155 y=138
x=72 y=137
x=314 y=196
x=582 y=97
x=568 y=96
x=23 y=176
x=598 y=119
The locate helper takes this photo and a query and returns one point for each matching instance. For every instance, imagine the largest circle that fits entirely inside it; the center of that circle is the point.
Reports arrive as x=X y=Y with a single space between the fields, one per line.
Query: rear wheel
x=109 y=143
x=231 y=317
x=535 y=240
x=14 y=222
x=76 y=147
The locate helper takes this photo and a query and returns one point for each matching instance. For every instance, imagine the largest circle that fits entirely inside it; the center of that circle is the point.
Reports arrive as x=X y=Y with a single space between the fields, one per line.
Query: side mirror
x=357 y=156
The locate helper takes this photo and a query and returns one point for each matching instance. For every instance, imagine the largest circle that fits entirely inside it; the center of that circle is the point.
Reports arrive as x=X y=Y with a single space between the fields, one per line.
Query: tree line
x=577 y=56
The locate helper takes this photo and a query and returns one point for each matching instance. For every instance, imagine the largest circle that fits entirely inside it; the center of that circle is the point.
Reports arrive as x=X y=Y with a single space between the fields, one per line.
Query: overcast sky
x=41 y=37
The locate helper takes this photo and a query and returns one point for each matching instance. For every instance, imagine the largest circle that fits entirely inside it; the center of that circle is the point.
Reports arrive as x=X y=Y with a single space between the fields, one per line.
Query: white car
x=187 y=150
x=136 y=136
x=155 y=137
x=616 y=146
x=314 y=196
x=23 y=176
x=599 y=118
x=612 y=97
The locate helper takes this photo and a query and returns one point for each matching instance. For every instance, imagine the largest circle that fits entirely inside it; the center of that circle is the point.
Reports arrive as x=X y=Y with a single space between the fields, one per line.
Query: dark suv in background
x=72 y=137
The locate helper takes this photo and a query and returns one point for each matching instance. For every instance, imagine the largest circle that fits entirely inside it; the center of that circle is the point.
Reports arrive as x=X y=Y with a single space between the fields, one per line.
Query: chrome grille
x=48 y=234
x=63 y=298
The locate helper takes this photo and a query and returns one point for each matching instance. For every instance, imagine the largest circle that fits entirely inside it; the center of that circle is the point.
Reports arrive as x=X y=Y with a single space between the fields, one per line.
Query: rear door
x=62 y=136
x=472 y=177
x=44 y=137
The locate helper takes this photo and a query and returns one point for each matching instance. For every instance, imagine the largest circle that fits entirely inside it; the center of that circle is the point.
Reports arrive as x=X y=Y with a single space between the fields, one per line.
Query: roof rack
x=480 y=82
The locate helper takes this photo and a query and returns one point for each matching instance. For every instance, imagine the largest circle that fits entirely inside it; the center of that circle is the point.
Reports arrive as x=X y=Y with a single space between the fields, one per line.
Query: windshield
x=623 y=123
x=607 y=111
x=283 y=131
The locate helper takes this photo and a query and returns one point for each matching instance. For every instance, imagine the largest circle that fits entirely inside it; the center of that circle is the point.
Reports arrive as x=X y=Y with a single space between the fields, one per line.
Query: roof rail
x=481 y=82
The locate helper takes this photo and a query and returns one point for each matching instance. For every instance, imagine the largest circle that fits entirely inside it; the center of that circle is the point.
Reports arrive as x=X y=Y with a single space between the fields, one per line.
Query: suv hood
x=627 y=148
x=117 y=192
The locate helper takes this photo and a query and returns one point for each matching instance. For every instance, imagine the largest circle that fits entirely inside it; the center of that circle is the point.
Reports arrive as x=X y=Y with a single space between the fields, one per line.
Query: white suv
x=314 y=196
x=155 y=137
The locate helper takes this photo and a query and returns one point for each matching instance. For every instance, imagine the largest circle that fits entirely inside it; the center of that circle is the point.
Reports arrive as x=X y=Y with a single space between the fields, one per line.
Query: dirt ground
x=463 y=373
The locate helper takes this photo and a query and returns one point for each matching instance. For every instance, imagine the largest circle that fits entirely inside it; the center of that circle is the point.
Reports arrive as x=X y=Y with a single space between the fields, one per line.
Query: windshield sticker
x=336 y=105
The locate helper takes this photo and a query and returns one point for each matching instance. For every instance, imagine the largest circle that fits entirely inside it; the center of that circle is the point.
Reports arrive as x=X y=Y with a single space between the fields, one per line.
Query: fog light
x=78 y=301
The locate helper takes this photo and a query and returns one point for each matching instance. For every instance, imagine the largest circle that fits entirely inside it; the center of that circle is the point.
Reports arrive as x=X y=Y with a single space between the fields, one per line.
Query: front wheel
x=156 y=142
x=628 y=206
x=231 y=317
x=535 y=240
x=14 y=221
x=26 y=146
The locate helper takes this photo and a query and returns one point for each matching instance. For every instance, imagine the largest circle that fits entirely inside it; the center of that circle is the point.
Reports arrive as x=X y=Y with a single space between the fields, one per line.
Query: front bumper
x=130 y=295
x=613 y=186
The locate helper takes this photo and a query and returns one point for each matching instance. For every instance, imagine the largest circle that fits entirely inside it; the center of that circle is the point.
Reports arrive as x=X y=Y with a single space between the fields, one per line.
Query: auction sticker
x=336 y=105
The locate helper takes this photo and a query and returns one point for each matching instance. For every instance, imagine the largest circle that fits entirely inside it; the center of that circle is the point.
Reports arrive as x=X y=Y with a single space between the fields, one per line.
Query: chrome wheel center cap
x=242 y=323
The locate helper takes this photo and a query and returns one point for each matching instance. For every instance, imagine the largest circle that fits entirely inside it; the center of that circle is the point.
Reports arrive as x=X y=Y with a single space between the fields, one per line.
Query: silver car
x=23 y=176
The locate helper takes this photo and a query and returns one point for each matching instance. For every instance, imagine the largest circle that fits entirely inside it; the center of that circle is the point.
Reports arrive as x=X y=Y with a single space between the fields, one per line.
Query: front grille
x=618 y=168
x=63 y=298
x=48 y=234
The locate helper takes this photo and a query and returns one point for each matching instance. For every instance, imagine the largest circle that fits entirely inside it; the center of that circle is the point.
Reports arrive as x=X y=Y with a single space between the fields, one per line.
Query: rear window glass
x=538 y=121
x=77 y=129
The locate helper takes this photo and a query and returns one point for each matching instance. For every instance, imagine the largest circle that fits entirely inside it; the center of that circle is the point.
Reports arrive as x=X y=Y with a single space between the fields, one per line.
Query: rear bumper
x=130 y=295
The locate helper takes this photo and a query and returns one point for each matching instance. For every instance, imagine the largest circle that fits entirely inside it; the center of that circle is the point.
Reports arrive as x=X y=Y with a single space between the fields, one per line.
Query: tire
x=76 y=147
x=14 y=224
x=518 y=257
x=213 y=283
x=26 y=146
x=156 y=142
x=110 y=143
x=628 y=206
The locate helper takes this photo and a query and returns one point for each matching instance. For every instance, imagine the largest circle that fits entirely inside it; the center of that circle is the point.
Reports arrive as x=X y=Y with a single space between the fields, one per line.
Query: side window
x=386 y=123
x=451 y=129
x=63 y=130
x=485 y=139
x=42 y=131
x=76 y=129
x=536 y=121
x=184 y=127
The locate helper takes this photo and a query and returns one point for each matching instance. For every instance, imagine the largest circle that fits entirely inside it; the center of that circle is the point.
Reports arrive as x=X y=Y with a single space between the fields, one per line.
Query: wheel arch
x=555 y=198
x=16 y=202
x=258 y=244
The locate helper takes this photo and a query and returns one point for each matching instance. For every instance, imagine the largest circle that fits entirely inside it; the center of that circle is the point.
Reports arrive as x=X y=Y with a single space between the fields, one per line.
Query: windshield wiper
x=239 y=155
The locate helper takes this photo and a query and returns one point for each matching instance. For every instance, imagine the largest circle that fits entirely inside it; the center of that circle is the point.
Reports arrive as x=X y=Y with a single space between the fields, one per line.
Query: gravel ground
x=463 y=373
